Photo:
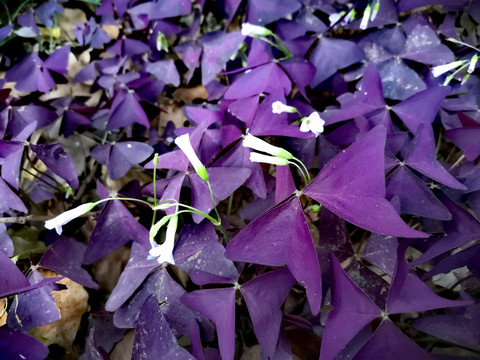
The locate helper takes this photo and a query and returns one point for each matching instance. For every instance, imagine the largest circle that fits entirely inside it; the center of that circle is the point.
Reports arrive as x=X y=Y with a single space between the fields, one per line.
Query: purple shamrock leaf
x=224 y=181
x=409 y=294
x=8 y=199
x=57 y=160
x=200 y=254
x=153 y=337
x=263 y=79
x=35 y=307
x=6 y=244
x=65 y=257
x=12 y=281
x=462 y=328
x=164 y=70
x=462 y=229
x=284 y=184
x=46 y=12
x=381 y=251
x=32 y=74
x=413 y=111
x=15 y=345
x=389 y=341
x=162 y=9
x=128 y=47
x=281 y=237
x=218 y=48
x=358 y=196
x=116 y=227
x=466 y=137
x=350 y=306
x=421 y=156
x=264 y=295
x=264 y=12
x=126 y=110
x=137 y=269
x=467 y=257
x=11 y=153
x=168 y=292
x=29 y=27
x=120 y=156
x=219 y=306
x=415 y=197
x=331 y=55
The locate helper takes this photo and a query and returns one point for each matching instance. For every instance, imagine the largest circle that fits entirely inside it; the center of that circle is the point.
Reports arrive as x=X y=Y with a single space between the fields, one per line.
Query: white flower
x=254 y=30
x=164 y=252
x=473 y=63
x=313 y=123
x=366 y=16
x=183 y=142
x=68 y=216
x=256 y=157
x=376 y=8
x=255 y=143
x=442 y=69
x=278 y=108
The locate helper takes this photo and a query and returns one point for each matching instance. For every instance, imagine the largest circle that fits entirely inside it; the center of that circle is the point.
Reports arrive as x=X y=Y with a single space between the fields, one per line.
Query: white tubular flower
x=183 y=142
x=366 y=16
x=278 y=108
x=442 y=69
x=255 y=143
x=254 y=30
x=67 y=216
x=163 y=206
x=313 y=123
x=375 y=10
x=256 y=157
x=473 y=64
x=164 y=252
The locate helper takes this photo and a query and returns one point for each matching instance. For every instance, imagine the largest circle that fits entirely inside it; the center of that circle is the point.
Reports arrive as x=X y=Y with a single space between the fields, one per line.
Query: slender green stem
x=451 y=76
x=20 y=7
x=282 y=45
x=39 y=178
x=155 y=163
x=299 y=169
x=7 y=11
x=462 y=43
x=213 y=202
x=308 y=178
x=123 y=199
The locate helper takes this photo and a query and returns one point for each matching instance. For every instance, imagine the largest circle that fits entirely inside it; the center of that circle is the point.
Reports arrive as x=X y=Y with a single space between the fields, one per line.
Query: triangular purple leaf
x=153 y=337
x=356 y=309
x=356 y=195
x=219 y=306
x=264 y=296
x=115 y=227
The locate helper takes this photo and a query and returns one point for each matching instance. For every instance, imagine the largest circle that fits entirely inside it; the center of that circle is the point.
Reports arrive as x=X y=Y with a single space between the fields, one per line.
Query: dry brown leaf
x=112 y=30
x=108 y=269
x=123 y=349
x=67 y=20
x=187 y=95
x=72 y=303
x=3 y=311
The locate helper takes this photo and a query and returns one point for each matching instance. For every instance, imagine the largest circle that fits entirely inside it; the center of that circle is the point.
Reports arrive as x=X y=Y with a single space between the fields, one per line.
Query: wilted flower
x=278 y=108
x=68 y=216
x=183 y=142
x=313 y=123
x=254 y=30
x=255 y=143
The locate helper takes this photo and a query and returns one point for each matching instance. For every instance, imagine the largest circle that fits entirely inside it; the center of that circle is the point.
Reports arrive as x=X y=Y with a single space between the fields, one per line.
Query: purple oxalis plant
x=268 y=179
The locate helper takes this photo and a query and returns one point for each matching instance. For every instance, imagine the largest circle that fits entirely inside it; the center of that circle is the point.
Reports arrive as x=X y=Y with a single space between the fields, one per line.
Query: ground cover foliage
x=145 y=214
